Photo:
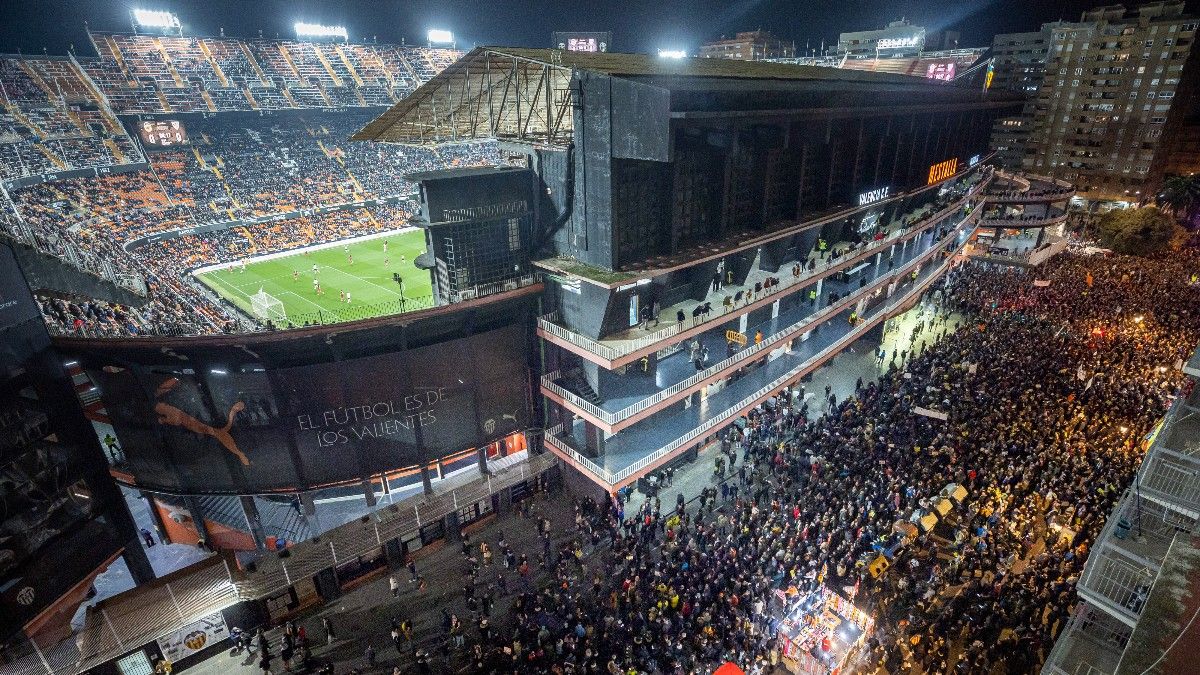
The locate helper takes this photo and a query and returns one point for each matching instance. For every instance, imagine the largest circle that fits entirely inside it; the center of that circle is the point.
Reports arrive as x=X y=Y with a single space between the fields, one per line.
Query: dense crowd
x=1048 y=389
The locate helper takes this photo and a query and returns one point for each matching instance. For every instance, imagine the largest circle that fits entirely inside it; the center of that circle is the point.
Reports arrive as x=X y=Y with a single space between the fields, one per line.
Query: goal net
x=267 y=307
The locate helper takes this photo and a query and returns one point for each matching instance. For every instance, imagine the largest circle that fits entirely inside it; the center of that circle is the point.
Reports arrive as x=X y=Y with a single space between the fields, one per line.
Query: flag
x=1088 y=279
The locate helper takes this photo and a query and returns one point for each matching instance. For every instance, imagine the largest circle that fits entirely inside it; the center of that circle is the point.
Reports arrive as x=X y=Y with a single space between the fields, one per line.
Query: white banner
x=931 y=413
x=193 y=637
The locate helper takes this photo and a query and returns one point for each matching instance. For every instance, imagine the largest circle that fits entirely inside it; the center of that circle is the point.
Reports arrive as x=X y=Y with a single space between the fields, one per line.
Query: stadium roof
x=459 y=172
x=524 y=95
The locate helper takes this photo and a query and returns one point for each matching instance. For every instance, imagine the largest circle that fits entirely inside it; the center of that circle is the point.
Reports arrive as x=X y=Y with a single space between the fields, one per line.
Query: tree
x=1180 y=196
x=1140 y=231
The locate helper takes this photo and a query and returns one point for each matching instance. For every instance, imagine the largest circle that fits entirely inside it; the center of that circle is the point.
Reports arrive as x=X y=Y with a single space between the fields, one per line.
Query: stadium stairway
x=577 y=383
x=291 y=64
x=115 y=150
x=163 y=100
x=349 y=66
x=115 y=51
x=170 y=66
x=213 y=63
x=34 y=75
x=337 y=81
x=212 y=107
x=27 y=123
x=54 y=159
x=262 y=77
x=250 y=99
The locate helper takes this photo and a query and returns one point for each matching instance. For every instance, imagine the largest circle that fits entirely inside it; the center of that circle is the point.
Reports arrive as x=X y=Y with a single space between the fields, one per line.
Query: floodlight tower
x=440 y=37
x=164 y=23
x=316 y=31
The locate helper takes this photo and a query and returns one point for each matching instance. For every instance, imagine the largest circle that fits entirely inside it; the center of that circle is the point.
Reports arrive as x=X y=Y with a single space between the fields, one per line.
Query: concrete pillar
x=775 y=309
x=820 y=285
x=250 y=511
x=426 y=483
x=369 y=492
x=594 y=438
x=862 y=304
x=878 y=258
x=743 y=323
x=892 y=251
x=481 y=459
x=197 y=511
x=453 y=529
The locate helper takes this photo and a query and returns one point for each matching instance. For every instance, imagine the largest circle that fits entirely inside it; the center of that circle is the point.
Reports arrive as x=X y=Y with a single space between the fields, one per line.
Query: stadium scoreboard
x=162 y=133
x=583 y=42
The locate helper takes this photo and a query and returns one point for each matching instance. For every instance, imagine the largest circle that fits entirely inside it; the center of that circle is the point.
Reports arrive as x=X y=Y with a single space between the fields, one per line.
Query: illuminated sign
x=598 y=41
x=973 y=161
x=942 y=170
x=940 y=71
x=874 y=195
x=162 y=133
x=987 y=81
x=899 y=43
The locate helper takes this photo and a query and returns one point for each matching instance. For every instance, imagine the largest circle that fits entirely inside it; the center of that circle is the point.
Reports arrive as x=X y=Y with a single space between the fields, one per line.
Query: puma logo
x=169 y=414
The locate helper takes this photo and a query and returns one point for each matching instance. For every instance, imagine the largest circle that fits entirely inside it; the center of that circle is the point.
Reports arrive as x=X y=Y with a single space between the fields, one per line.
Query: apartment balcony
x=1128 y=555
x=626 y=347
x=1170 y=473
x=1090 y=643
x=632 y=397
x=650 y=442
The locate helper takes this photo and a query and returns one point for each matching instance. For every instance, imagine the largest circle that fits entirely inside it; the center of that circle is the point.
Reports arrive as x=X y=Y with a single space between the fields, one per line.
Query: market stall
x=821 y=632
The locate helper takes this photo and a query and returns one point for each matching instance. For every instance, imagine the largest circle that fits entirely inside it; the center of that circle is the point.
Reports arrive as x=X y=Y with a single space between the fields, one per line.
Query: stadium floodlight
x=439 y=37
x=672 y=54
x=317 y=30
x=155 y=19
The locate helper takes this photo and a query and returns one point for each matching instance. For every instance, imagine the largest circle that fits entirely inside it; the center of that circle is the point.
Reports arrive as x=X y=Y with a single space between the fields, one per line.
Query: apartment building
x=1115 y=93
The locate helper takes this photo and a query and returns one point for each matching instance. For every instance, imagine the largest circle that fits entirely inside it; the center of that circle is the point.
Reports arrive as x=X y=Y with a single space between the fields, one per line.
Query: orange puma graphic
x=169 y=414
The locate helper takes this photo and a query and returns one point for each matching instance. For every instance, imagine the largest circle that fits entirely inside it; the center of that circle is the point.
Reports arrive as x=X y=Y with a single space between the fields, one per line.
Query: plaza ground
x=368 y=280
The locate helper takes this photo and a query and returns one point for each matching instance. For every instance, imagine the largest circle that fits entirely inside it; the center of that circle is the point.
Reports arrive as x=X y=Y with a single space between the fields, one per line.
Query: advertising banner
x=261 y=428
x=193 y=637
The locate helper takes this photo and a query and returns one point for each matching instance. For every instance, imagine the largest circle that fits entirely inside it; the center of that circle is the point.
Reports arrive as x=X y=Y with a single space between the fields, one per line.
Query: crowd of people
x=1048 y=389
x=244 y=170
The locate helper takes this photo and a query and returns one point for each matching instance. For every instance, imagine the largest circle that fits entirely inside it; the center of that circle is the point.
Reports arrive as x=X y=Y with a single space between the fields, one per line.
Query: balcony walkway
x=620 y=391
x=641 y=446
x=628 y=345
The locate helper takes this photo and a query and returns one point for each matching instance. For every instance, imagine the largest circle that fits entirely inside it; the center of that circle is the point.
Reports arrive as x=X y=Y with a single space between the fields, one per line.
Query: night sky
x=637 y=25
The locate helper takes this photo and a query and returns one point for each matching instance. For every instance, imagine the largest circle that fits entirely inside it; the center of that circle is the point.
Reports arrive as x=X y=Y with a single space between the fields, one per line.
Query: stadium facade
x=690 y=205
x=668 y=244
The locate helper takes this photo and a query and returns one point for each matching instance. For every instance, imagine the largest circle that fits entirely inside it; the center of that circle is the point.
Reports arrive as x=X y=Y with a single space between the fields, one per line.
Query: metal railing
x=494 y=287
x=139 y=616
x=1016 y=222
x=354 y=539
x=549 y=323
x=752 y=351
x=1090 y=637
x=614 y=478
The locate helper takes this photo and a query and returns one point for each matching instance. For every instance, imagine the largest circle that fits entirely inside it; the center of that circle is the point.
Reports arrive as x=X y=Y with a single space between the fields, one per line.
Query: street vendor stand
x=821 y=632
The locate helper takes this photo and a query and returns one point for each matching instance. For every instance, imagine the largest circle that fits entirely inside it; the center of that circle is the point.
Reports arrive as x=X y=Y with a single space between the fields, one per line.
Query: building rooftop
x=526 y=95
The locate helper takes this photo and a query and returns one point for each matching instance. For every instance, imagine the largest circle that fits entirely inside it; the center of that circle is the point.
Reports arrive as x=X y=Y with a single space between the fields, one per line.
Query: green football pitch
x=368 y=280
